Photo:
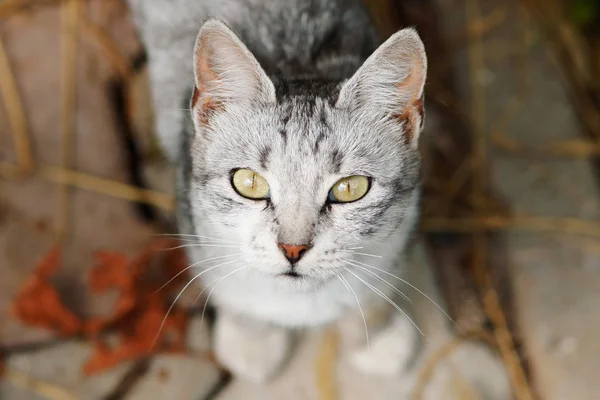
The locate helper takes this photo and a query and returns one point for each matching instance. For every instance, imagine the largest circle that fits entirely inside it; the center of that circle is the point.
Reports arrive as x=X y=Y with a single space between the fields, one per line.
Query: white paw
x=389 y=352
x=248 y=349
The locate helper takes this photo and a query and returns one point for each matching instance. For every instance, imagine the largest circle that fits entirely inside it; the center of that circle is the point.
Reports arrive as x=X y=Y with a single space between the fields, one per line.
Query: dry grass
x=45 y=389
x=325 y=366
x=18 y=123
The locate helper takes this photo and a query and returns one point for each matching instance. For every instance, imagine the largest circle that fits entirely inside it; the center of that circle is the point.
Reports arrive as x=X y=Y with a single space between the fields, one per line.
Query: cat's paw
x=250 y=350
x=389 y=351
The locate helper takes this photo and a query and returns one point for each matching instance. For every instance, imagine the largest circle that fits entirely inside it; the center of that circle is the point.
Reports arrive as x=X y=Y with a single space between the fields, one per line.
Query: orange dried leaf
x=38 y=303
x=140 y=310
x=111 y=271
x=137 y=317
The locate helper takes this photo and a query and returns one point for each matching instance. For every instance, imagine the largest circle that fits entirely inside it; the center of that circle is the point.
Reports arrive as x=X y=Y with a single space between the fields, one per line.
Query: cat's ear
x=390 y=84
x=226 y=72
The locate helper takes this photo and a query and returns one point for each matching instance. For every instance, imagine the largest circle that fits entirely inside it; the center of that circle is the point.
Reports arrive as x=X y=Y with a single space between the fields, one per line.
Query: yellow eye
x=349 y=189
x=249 y=184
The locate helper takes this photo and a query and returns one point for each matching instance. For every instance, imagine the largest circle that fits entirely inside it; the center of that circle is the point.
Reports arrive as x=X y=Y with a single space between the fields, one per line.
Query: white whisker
x=394 y=288
x=198 y=263
x=412 y=286
x=361 y=254
x=207 y=241
x=349 y=288
x=203 y=245
x=199 y=239
x=204 y=288
x=213 y=289
x=162 y=324
x=386 y=298
x=194 y=236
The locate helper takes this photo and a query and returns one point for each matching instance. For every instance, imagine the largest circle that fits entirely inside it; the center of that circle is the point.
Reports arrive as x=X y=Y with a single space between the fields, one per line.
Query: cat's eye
x=250 y=184
x=349 y=189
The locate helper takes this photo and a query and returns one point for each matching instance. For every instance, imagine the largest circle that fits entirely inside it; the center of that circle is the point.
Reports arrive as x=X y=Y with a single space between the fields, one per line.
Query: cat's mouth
x=292 y=274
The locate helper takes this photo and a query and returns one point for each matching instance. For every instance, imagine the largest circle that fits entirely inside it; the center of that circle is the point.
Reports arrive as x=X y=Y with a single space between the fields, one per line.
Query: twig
x=18 y=122
x=569 y=148
x=224 y=380
x=107 y=187
x=108 y=46
x=576 y=148
x=139 y=369
x=506 y=344
x=10 y=7
x=483 y=223
x=41 y=387
x=325 y=368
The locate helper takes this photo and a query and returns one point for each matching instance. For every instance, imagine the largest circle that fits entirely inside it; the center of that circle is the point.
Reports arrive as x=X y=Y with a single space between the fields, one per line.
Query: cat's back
x=293 y=38
x=327 y=39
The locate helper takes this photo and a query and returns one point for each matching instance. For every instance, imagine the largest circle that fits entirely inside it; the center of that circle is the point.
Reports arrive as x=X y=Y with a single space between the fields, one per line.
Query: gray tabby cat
x=298 y=167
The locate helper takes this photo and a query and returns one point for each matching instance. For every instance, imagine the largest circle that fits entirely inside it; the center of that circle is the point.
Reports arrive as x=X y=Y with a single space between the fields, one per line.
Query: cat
x=294 y=132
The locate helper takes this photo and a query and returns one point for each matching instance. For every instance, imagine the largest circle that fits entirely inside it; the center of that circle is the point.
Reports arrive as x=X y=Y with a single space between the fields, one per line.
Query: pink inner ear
x=412 y=84
x=208 y=103
x=412 y=113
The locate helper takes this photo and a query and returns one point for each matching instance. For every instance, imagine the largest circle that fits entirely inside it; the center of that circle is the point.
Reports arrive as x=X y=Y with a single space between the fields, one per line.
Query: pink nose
x=293 y=252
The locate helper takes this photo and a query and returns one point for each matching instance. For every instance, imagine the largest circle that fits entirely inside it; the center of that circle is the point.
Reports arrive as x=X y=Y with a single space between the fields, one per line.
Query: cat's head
x=303 y=173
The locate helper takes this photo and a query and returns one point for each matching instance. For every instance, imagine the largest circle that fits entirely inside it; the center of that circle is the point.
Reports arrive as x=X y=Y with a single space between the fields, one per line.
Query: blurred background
x=510 y=232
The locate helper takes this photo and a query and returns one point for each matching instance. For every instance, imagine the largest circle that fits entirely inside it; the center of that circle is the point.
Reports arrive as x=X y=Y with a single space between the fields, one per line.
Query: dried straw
x=571 y=226
x=107 y=45
x=107 y=187
x=40 y=387
x=326 y=366
x=16 y=118
x=10 y=7
x=569 y=148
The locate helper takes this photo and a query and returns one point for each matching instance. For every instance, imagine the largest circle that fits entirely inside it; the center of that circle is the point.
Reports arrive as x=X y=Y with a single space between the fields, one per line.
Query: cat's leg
x=250 y=349
x=392 y=343
x=389 y=351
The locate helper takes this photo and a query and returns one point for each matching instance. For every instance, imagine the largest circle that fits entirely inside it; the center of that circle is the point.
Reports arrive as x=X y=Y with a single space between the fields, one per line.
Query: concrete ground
x=556 y=276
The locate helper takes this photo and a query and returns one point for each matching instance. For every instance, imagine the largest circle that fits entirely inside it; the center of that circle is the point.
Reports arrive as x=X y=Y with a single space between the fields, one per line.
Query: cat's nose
x=293 y=252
